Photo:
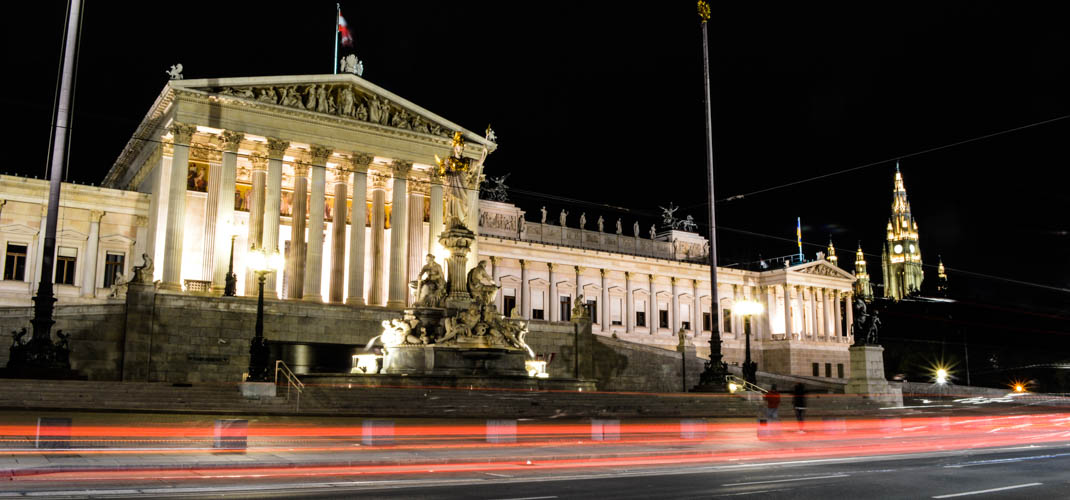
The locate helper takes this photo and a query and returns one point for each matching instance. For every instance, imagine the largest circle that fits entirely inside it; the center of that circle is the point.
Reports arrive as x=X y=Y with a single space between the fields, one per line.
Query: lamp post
x=748 y=308
x=231 y=287
x=713 y=376
x=262 y=263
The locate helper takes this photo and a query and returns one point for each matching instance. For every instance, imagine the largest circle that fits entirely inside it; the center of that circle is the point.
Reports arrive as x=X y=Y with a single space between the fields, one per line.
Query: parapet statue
x=601 y=221
x=563 y=215
x=583 y=220
x=175 y=72
x=620 y=229
x=635 y=229
x=653 y=231
x=543 y=210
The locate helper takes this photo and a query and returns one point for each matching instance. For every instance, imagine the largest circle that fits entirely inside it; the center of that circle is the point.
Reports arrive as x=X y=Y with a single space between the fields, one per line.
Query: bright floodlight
x=1019 y=388
x=732 y=387
x=941 y=376
x=748 y=307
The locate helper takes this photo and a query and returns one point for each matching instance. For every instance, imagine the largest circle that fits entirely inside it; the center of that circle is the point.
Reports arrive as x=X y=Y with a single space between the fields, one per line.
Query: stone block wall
x=627 y=366
x=96 y=332
x=798 y=359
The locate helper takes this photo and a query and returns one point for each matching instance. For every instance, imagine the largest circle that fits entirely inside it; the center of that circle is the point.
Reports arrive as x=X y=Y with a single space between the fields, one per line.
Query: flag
x=798 y=234
x=343 y=28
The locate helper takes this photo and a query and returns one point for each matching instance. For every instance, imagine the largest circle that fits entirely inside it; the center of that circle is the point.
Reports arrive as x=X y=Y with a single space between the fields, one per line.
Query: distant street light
x=262 y=263
x=941 y=376
x=748 y=308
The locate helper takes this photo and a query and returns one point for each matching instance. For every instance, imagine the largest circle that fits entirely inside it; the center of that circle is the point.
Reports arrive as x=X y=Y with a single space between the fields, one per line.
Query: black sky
x=603 y=103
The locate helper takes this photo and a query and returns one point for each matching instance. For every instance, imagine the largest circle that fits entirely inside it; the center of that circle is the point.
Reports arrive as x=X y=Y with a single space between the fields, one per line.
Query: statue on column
x=461 y=174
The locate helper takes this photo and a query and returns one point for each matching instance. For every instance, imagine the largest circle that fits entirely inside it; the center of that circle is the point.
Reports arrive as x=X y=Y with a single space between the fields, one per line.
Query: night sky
x=602 y=102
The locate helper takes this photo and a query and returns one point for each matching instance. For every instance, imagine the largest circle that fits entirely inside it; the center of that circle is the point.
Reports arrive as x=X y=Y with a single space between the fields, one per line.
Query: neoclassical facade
x=335 y=173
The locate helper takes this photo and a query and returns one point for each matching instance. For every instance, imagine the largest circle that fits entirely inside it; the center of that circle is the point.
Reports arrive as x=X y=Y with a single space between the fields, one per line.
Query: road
x=1014 y=472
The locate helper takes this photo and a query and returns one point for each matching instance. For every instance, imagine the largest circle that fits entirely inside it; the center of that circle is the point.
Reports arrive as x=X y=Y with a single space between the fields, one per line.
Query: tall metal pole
x=712 y=378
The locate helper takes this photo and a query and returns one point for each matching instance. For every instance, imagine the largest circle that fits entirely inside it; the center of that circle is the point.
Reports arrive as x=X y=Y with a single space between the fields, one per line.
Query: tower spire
x=832 y=253
x=902 y=266
x=863 y=287
x=941 y=276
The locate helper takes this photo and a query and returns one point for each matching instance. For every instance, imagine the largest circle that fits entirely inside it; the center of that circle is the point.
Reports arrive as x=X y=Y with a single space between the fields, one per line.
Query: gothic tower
x=941 y=277
x=901 y=255
x=832 y=258
x=863 y=288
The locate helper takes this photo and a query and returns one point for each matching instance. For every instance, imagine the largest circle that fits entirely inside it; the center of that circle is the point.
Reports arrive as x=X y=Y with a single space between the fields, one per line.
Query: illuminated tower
x=832 y=254
x=901 y=255
x=941 y=277
x=863 y=288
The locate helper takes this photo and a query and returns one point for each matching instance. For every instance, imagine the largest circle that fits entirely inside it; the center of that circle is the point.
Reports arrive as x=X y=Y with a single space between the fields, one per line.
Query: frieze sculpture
x=337 y=99
x=175 y=72
x=461 y=174
x=430 y=286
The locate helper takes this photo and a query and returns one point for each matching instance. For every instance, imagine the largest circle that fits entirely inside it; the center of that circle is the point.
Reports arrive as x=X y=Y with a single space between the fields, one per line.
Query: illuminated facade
x=901 y=256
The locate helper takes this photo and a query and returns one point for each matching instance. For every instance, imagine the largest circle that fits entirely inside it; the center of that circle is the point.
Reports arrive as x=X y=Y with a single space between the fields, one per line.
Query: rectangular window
x=663 y=318
x=726 y=320
x=839 y=370
x=66 y=264
x=537 y=307
x=686 y=325
x=509 y=303
x=817 y=370
x=113 y=268
x=15 y=262
x=615 y=314
x=640 y=318
x=592 y=310
x=685 y=316
x=566 y=308
x=828 y=370
x=707 y=322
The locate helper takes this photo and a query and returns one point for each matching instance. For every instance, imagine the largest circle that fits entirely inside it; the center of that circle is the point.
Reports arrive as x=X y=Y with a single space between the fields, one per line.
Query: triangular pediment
x=18 y=229
x=341 y=96
x=822 y=268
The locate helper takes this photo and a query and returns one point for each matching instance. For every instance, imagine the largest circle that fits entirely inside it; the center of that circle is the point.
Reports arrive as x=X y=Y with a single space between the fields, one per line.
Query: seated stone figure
x=431 y=285
x=579 y=309
x=481 y=285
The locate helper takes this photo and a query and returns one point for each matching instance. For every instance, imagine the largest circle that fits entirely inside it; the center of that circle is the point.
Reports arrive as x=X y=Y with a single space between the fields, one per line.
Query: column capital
x=258 y=160
x=141 y=221
x=672 y=280
x=493 y=260
x=602 y=272
x=182 y=133
x=360 y=162
x=319 y=154
x=550 y=266
x=276 y=148
x=523 y=265
x=300 y=169
x=339 y=176
x=378 y=179
x=200 y=151
x=420 y=188
x=96 y=215
x=651 y=277
x=231 y=140
x=579 y=269
x=401 y=168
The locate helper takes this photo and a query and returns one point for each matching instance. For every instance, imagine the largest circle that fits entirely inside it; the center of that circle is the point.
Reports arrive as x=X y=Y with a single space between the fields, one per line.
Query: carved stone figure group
x=339 y=99
x=431 y=286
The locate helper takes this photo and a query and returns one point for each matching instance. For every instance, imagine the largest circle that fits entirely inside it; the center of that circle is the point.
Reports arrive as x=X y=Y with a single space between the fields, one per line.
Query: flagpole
x=337 y=13
x=798 y=236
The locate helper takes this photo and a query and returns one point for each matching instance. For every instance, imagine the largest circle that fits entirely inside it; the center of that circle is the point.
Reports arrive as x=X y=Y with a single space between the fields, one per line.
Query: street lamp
x=261 y=262
x=231 y=287
x=748 y=308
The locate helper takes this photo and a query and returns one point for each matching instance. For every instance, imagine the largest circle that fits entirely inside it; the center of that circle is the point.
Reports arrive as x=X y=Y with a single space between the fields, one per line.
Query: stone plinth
x=867 y=375
x=454 y=360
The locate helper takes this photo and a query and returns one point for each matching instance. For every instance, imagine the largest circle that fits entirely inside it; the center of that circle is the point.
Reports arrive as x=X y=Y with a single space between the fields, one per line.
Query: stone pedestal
x=455 y=360
x=458 y=240
x=867 y=375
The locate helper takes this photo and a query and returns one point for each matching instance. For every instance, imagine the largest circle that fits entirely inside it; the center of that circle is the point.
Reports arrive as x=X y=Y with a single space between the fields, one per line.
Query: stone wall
x=627 y=366
x=96 y=335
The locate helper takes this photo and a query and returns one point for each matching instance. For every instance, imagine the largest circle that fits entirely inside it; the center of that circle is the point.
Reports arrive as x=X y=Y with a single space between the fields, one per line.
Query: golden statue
x=462 y=174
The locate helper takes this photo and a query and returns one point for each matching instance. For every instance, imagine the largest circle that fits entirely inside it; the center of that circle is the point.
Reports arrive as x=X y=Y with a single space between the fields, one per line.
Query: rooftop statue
x=175 y=72
x=563 y=215
x=491 y=136
x=668 y=216
x=635 y=229
x=543 y=210
x=350 y=64
x=583 y=221
x=601 y=221
x=620 y=229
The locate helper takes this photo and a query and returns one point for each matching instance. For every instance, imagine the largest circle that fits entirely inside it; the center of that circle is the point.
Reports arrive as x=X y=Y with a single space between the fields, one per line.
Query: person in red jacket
x=772 y=402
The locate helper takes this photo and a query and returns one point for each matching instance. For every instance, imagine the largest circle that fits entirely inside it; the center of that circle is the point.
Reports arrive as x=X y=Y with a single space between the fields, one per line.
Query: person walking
x=798 y=400
x=772 y=403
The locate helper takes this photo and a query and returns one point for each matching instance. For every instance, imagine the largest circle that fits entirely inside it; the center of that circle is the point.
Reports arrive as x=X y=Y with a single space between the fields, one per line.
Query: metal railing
x=291 y=381
x=743 y=384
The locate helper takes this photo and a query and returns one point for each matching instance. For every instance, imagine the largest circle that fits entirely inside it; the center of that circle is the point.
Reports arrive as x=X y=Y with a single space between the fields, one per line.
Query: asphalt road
x=1018 y=472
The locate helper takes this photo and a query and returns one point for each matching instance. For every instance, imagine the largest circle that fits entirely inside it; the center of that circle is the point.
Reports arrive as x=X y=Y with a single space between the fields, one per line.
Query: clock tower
x=901 y=256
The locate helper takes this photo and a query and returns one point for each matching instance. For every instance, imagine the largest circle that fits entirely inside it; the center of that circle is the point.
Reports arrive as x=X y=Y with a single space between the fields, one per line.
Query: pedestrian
x=772 y=402
x=798 y=400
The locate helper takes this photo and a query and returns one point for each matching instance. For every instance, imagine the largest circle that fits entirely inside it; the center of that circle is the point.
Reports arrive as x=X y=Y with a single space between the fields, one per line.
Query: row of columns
x=305 y=261
x=803 y=300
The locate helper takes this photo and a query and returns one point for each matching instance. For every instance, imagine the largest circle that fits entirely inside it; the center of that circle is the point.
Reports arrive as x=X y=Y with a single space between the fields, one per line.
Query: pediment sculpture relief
x=822 y=271
x=339 y=99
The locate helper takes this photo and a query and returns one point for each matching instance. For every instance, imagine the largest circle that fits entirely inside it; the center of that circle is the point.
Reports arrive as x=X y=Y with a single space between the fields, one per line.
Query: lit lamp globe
x=748 y=308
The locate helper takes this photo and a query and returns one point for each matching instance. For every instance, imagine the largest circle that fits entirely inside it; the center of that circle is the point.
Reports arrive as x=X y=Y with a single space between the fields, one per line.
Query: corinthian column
x=205 y=153
x=377 y=244
x=359 y=166
x=605 y=302
x=314 y=252
x=176 y=207
x=416 y=229
x=256 y=215
x=553 y=302
x=629 y=304
x=398 y=235
x=338 y=236
x=674 y=314
x=273 y=205
x=296 y=261
x=89 y=279
x=525 y=292
x=225 y=209
x=435 y=227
